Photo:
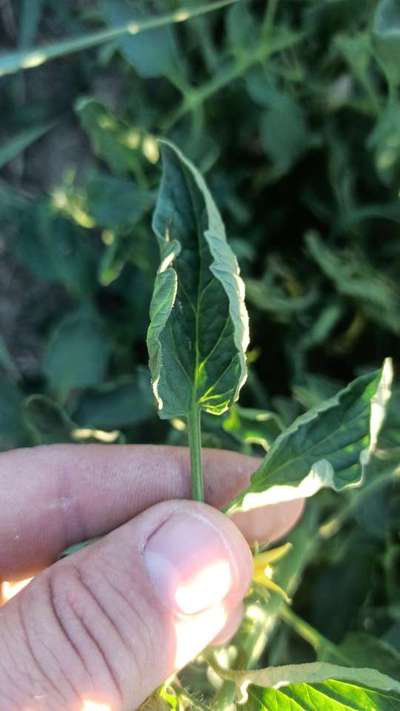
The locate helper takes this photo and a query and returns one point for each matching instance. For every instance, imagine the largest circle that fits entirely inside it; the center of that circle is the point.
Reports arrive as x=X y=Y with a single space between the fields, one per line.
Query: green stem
x=311 y=635
x=25 y=59
x=333 y=525
x=196 y=97
x=195 y=704
x=194 y=432
x=269 y=17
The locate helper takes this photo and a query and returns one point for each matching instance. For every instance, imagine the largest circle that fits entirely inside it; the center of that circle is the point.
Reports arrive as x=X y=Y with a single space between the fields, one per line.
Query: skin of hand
x=104 y=627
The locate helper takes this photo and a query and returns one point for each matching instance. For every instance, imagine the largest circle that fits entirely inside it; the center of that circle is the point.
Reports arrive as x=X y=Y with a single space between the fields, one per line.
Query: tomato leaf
x=386 y=34
x=12 y=427
x=198 y=332
x=77 y=353
x=305 y=687
x=153 y=53
x=328 y=446
x=363 y=649
x=48 y=422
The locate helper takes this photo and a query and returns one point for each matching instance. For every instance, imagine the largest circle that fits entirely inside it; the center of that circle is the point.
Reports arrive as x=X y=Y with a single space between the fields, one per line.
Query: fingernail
x=191 y=563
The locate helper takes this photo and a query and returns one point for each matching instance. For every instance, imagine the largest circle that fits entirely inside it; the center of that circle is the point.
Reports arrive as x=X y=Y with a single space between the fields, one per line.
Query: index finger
x=54 y=496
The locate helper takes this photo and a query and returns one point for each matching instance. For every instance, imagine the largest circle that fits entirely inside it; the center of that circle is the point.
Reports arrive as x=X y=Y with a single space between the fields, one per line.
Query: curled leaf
x=328 y=446
x=198 y=331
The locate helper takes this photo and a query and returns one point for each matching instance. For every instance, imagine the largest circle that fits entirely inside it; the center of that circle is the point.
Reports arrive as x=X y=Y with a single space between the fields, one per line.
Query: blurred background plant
x=291 y=109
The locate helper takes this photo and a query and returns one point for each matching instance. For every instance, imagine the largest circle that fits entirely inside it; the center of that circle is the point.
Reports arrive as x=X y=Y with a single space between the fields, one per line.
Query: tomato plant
x=278 y=120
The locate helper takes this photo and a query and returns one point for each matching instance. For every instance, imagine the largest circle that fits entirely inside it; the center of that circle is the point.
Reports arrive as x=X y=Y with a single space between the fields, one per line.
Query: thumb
x=109 y=624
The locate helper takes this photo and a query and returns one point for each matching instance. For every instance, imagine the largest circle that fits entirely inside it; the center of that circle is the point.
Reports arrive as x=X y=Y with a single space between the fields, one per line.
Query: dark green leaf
x=6 y=360
x=322 y=327
x=268 y=296
x=357 y=51
x=284 y=132
x=387 y=37
x=314 y=389
x=384 y=141
x=12 y=428
x=30 y=17
x=326 y=18
x=47 y=420
x=55 y=249
x=15 y=61
x=324 y=447
x=199 y=328
x=12 y=147
x=241 y=28
x=327 y=696
x=152 y=54
x=115 y=202
x=113 y=260
x=77 y=354
x=252 y=426
x=365 y=650
x=113 y=141
x=354 y=277
x=114 y=405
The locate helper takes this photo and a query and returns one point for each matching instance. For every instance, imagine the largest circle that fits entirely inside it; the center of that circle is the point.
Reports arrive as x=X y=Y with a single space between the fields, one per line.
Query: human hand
x=110 y=623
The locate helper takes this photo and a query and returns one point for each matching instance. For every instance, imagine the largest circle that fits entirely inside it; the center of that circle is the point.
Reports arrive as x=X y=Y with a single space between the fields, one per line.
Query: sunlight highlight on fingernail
x=217 y=578
x=195 y=634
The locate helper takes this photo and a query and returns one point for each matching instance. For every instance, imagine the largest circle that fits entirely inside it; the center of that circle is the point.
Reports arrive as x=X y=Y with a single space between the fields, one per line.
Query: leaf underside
x=198 y=331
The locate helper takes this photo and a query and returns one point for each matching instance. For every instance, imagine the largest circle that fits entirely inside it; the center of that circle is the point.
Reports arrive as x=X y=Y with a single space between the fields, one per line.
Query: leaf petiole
x=194 y=434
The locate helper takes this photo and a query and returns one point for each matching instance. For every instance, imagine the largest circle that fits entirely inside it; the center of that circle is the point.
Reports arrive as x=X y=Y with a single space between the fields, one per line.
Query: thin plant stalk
x=194 y=433
x=27 y=59
x=195 y=97
x=311 y=635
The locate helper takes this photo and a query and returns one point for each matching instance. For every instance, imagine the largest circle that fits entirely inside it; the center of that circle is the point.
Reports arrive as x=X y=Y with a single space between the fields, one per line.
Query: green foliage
x=55 y=249
x=138 y=49
x=250 y=426
x=110 y=139
x=283 y=130
x=16 y=61
x=325 y=447
x=14 y=146
x=354 y=278
x=329 y=696
x=77 y=354
x=364 y=650
x=116 y=203
x=387 y=37
x=198 y=331
x=47 y=421
x=12 y=428
x=325 y=685
x=117 y=404
x=290 y=112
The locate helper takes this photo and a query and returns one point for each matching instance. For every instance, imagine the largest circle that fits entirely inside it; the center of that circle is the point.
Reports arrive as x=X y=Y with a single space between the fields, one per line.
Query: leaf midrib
x=198 y=289
x=200 y=293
